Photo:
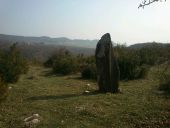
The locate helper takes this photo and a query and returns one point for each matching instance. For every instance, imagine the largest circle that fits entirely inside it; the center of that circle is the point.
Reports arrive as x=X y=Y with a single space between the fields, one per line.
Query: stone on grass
x=32 y=123
x=86 y=92
x=32 y=77
x=107 y=65
x=9 y=88
x=35 y=121
x=32 y=120
x=36 y=115
x=88 y=85
x=79 y=109
x=29 y=118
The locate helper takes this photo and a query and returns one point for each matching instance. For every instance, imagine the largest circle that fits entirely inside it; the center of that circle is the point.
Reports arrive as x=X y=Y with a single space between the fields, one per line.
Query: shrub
x=148 y=55
x=128 y=62
x=63 y=62
x=64 y=65
x=49 y=62
x=143 y=71
x=89 y=72
x=84 y=61
x=133 y=63
x=164 y=78
x=3 y=90
x=12 y=65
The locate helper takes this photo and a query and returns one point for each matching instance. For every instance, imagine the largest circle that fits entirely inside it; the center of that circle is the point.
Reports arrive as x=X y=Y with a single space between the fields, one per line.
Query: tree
x=12 y=65
x=148 y=2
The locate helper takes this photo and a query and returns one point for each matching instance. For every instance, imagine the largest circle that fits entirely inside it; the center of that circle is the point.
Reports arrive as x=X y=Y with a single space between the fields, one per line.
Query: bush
x=3 y=90
x=12 y=65
x=88 y=67
x=142 y=71
x=89 y=72
x=49 y=62
x=63 y=62
x=128 y=62
x=64 y=65
x=164 y=78
x=131 y=63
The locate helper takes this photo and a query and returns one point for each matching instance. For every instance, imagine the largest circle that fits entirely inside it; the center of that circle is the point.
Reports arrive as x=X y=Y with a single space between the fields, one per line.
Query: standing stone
x=107 y=66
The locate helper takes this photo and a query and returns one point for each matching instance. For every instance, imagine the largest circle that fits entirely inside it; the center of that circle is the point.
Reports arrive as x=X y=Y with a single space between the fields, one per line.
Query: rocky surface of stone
x=107 y=66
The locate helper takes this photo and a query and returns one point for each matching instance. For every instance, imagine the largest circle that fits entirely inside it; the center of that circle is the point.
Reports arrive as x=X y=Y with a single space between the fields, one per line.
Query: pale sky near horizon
x=87 y=19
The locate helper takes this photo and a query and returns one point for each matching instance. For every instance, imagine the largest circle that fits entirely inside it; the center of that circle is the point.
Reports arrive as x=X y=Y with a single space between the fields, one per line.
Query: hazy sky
x=87 y=19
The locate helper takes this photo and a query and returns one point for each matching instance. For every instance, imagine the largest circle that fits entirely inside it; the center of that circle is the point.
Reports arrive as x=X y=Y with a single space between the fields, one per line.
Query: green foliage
x=89 y=72
x=3 y=90
x=147 y=56
x=63 y=62
x=130 y=64
x=12 y=65
x=164 y=78
x=49 y=62
x=143 y=71
x=135 y=63
x=88 y=68
x=64 y=65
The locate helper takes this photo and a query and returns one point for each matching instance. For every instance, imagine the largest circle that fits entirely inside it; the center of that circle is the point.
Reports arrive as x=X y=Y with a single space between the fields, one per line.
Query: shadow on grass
x=78 y=77
x=50 y=73
x=161 y=93
x=166 y=95
x=66 y=96
x=47 y=73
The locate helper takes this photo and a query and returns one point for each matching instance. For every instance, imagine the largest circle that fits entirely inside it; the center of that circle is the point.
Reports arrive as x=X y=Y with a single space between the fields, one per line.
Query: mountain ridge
x=148 y=44
x=64 y=41
x=48 y=40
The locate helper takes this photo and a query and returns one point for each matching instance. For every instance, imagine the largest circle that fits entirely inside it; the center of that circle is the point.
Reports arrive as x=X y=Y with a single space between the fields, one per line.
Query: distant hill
x=148 y=44
x=53 y=41
x=43 y=47
x=42 y=52
x=63 y=41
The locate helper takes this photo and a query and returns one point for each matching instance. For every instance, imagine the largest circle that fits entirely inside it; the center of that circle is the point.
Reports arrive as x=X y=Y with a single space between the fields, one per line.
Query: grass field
x=61 y=103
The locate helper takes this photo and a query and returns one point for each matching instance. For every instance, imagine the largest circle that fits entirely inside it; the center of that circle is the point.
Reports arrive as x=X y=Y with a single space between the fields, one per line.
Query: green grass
x=61 y=103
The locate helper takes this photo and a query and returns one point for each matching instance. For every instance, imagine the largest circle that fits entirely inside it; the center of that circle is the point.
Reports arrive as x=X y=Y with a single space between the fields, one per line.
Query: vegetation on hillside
x=78 y=103
x=163 y=74
x=133 y=63
x=12 y=65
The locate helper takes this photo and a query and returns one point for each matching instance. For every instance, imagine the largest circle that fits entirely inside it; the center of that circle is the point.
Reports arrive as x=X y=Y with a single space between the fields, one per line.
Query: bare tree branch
x=145 y=3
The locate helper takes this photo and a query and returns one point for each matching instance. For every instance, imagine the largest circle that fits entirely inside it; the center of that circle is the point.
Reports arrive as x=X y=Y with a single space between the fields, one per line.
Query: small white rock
x=86 y=91
x=10 y=88
x=32 y=122
x=36 y=115
x=81 y=108
x=35 y=121
x=62 y=121
x=29 y=118
x=88 y=84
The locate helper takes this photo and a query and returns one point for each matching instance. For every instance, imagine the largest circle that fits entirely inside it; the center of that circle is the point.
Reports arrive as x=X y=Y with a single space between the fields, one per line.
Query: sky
x=87 y=19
